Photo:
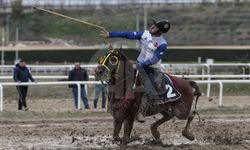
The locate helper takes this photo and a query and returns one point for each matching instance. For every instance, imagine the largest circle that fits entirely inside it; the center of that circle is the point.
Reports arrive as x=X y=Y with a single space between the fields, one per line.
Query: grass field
x=192 y=24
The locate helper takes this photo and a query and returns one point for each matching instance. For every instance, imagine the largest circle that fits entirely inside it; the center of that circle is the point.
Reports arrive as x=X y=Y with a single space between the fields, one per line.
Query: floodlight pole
x=145 y=17
x=137 y=23
x=16 y=47
x=2 y=51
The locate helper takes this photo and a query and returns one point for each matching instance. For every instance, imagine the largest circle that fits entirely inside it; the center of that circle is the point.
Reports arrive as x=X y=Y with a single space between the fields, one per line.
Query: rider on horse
x=152 y=48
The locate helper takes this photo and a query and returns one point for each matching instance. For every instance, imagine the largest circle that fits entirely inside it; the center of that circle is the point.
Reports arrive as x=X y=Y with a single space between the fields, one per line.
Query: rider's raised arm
x=128 y=35
x=159 y=52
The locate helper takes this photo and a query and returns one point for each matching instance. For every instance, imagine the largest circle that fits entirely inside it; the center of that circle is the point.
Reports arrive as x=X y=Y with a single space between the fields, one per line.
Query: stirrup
x=140 y=118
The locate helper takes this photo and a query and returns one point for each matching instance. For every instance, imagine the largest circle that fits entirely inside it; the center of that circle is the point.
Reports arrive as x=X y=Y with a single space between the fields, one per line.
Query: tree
x=17 y=10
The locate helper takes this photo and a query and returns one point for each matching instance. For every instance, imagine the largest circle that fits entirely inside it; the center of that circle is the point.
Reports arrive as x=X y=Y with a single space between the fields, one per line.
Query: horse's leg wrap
x=117 y=125
x=167 y=115
x=186 y=133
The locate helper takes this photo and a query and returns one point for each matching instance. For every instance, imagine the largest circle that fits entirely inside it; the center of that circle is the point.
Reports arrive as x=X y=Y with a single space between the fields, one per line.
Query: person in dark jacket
x=22 y=74
x=79 y=74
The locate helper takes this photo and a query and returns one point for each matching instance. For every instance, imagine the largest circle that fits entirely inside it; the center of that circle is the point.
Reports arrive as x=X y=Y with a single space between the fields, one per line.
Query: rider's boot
x=160 y=86
x=140 y=116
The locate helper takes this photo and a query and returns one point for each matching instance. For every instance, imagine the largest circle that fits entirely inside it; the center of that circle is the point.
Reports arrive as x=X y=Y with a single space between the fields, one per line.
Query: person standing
x=22 y=74
x=100 y=89
x=79 y=74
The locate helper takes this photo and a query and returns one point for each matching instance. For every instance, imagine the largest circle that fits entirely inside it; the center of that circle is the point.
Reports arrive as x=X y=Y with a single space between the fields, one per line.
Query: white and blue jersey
x=151 y=48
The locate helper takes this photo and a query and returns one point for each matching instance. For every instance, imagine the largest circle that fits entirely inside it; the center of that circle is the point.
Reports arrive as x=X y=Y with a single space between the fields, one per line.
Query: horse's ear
x=119 y=50
x=110 y=47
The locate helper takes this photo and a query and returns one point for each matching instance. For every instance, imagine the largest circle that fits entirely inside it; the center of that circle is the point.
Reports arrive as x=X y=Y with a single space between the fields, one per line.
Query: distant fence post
x=208 y=79
x=78 y=95
x=220 y=93
x=1 y=97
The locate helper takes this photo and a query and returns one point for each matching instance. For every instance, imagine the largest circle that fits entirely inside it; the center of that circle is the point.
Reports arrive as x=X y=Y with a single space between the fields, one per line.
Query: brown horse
x=115 y=68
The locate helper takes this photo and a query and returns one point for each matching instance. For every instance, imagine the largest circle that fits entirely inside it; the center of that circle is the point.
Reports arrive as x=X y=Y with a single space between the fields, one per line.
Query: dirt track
x=213 y=133
x=54 y=124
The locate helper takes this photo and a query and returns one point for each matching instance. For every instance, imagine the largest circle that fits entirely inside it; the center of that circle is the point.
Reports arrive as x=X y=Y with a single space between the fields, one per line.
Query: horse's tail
x=197 y=91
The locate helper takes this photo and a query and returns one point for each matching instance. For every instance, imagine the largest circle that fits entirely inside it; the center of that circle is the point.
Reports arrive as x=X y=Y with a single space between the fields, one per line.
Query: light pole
x=2 y=52
x=137 y=22
x=17 y=40
x=145 y=17
x=7 y=29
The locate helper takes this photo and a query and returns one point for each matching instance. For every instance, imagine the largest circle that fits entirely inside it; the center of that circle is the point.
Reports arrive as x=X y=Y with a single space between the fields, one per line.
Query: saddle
x=168 y=91
x=168 y=88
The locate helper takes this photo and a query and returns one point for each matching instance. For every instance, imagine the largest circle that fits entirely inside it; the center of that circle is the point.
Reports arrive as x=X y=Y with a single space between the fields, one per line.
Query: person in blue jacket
x=152 y=48
x=22 y=74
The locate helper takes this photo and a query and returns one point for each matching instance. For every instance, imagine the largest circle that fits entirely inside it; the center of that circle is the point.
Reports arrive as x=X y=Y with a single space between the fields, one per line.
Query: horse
x=118 y=71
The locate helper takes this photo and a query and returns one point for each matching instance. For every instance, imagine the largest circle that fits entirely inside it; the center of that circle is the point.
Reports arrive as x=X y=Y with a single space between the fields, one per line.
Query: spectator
x=22 y=74
x=100 y=89
x=79 y=74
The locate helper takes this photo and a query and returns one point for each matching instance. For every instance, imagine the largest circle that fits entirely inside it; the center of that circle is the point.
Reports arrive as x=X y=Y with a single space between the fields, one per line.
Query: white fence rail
x=44 y=77
x=181 y=76
x=206 y=70
x=220 y=82
x=8 y=3
x=164 y=65
x=46 y=83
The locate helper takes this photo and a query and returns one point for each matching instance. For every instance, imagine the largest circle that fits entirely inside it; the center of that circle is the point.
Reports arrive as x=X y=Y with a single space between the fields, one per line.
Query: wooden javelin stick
x=71 y=18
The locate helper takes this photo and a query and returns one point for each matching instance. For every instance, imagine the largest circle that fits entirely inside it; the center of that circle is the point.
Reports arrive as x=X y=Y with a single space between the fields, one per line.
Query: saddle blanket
x=171 y=94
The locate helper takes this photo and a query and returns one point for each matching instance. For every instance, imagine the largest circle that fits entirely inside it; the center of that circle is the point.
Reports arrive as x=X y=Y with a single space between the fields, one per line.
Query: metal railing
x=77 y=83
x=206 y=68
x=220 y=82
x=181 y=76
x=8 y=3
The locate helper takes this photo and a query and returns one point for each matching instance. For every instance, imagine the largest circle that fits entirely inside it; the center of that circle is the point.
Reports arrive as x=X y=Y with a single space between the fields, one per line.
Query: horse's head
x=108 y=65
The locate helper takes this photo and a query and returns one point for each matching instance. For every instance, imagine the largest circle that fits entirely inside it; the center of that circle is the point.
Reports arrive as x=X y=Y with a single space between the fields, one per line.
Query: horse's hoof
x=166 y=145
x=123 y=147
x=157 y=142
x=188 y=135
x=134 y=138
x=117 y=139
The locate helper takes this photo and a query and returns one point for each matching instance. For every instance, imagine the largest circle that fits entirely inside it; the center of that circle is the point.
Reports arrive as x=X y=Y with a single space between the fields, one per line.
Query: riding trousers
x=152 y=79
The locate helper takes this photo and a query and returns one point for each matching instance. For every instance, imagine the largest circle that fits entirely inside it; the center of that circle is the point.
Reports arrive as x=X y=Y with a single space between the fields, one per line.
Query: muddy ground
x=68 y=129
x=213 y=133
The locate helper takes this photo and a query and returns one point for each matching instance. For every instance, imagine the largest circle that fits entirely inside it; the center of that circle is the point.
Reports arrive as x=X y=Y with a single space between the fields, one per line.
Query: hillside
x=196 y=24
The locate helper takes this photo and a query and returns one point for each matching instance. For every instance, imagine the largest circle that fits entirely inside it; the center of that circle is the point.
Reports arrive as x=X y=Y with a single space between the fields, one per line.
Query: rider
x=152 y=48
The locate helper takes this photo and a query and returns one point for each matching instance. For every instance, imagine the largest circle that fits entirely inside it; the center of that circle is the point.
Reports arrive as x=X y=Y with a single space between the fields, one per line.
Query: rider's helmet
x=163 y=25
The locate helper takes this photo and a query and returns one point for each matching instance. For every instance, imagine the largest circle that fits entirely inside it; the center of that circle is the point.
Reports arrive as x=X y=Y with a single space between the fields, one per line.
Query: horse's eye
x=113 y=60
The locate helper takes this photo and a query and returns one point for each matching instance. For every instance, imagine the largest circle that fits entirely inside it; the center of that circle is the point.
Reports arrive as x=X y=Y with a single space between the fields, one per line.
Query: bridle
x=111 y=61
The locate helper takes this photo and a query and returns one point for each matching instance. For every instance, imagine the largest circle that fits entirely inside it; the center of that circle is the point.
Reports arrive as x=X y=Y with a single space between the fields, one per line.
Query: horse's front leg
x=117 y=125
x=128 y=126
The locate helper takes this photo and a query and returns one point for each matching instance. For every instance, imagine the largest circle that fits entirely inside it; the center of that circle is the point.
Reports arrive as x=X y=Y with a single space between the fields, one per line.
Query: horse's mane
x=124 y=58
